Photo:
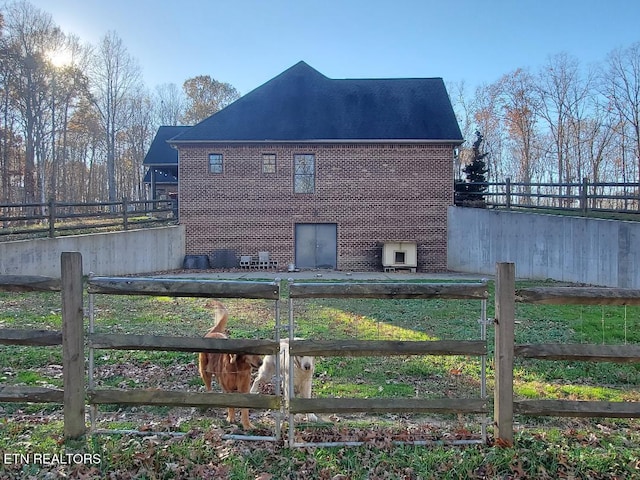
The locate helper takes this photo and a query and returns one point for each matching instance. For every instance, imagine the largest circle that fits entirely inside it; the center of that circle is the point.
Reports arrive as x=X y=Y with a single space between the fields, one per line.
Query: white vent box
x=399 y=255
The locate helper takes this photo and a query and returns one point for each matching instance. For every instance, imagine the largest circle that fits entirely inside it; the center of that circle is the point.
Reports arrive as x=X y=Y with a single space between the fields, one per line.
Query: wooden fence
x=506 y=350
x=180 y=288
x=72 y=338
x=383 y=348
x=579 y=197
x=56 y=218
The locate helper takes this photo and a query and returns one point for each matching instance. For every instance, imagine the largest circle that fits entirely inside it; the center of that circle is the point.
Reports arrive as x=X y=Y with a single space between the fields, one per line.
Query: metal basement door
x=316 y=245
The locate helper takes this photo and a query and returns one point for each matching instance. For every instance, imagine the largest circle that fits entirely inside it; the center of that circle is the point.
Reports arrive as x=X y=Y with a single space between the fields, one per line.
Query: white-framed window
x=268 y=163
x=304 y=173
x=215 y=163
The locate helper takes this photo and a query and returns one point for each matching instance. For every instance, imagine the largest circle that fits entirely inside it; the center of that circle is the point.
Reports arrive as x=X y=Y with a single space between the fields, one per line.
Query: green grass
x=545 y=448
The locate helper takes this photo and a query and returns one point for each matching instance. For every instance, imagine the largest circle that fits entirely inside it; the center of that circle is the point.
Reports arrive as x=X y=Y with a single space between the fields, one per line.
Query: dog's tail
x=221 y=316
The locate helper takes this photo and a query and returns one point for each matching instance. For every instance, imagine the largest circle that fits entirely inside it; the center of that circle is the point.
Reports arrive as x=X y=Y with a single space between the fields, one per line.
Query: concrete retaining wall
x=114 y=253
x=573 y=249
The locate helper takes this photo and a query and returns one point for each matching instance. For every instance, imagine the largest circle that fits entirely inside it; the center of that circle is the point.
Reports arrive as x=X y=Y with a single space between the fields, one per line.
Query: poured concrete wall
x=114 y=253
x=573 y=249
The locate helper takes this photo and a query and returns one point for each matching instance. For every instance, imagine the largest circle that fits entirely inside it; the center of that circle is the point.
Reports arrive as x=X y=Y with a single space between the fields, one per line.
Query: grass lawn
x=191 y=443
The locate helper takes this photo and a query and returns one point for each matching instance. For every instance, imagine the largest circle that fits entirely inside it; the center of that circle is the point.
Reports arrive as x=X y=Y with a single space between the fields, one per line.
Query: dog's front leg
x=244 y=416
x=305 y=392
x=244 y=381
x=231 y=415
x=265 y=372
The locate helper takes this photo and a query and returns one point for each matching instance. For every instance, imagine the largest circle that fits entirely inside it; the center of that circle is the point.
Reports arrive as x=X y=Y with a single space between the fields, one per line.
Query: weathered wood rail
x=176 y=287
x=461 y=291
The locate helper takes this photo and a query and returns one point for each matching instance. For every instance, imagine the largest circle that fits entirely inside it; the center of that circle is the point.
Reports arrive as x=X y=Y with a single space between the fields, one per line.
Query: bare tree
x=114 y=76
x=69 y=86
x=621 y=84
x=9 y=142
x=564 y=97
x=487 y=114
x=170 y=104
x=519 y=106
x=85 y=150
x=32 y=34
x=206 y=96
x=137 y=138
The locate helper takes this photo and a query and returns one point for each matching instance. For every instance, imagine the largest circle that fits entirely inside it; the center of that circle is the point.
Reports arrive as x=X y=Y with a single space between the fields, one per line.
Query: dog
x=303 y=370
x=232 y=370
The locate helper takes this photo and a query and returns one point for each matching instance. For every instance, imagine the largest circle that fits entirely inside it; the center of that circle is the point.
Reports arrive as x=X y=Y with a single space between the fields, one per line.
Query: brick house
x=321 y=173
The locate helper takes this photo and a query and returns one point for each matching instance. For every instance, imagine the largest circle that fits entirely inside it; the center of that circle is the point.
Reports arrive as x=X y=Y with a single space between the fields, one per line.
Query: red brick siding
x=373 y=192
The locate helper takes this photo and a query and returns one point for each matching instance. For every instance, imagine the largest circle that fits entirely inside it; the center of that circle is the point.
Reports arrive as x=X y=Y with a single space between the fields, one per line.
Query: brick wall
x=373 y=192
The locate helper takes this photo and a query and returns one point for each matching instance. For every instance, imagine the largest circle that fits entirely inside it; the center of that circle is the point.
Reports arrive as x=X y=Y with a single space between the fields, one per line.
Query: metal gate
x=316 y=245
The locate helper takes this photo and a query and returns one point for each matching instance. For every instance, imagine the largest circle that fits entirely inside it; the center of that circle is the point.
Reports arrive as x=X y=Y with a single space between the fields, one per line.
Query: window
x=304 y=173
x=268 y=163
x=215 y=163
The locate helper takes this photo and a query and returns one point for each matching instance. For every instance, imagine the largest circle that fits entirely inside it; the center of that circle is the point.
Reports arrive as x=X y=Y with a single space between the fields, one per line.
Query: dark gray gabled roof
x=301 y=104
x=160 y=152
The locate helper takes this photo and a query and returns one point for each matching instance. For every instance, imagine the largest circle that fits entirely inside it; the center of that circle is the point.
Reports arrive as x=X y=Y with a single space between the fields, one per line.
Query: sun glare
x=60 y=57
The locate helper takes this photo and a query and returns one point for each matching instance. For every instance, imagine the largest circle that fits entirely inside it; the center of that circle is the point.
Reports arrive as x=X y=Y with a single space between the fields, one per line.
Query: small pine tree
x=470 y=192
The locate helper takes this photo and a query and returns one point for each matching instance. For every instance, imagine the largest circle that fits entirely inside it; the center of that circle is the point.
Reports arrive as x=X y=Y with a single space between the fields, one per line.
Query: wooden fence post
x=52 y=218
x=73 y=345
x=584 y=196
x=125 y=213
x=507 y=189
x=504 y=345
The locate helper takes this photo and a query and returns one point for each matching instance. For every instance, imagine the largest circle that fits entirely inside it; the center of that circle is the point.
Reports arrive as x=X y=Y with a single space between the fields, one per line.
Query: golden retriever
x=303 y=370
x=232 y=370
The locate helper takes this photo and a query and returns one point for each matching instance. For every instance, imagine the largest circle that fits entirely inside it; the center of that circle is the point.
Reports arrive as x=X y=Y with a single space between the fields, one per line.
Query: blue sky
x=248 y=42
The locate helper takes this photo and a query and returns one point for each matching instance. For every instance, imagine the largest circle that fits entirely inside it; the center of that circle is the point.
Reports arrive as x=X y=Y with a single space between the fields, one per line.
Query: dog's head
x=254 y=361
x=303 y=363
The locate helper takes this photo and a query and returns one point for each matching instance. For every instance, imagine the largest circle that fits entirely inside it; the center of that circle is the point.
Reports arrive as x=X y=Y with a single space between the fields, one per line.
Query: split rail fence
x=76 y=394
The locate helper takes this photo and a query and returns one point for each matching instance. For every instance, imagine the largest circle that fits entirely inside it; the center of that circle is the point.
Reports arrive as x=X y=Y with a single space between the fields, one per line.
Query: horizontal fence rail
x=471 y=291
x=580 y=197
x=582 y=352
x=577 y=408
x=386 y=348
x=30 y=337
x=184 y=287
x=30 y=394
x=112 y=341
x=387 y=405
x=183 y=399
x=29 y=283
x=578 y=296
x=61 y=218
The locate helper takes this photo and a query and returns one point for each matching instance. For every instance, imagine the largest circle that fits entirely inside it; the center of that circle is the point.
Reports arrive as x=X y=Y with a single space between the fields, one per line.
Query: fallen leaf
x=501 y=442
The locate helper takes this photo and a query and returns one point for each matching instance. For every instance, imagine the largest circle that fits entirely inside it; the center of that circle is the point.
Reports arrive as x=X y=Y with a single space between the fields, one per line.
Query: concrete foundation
x=572 y=249
x=114 y=253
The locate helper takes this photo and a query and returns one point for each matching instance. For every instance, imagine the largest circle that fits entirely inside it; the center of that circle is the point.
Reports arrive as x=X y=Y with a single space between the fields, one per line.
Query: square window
x=268 y=163
x=215 y=163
